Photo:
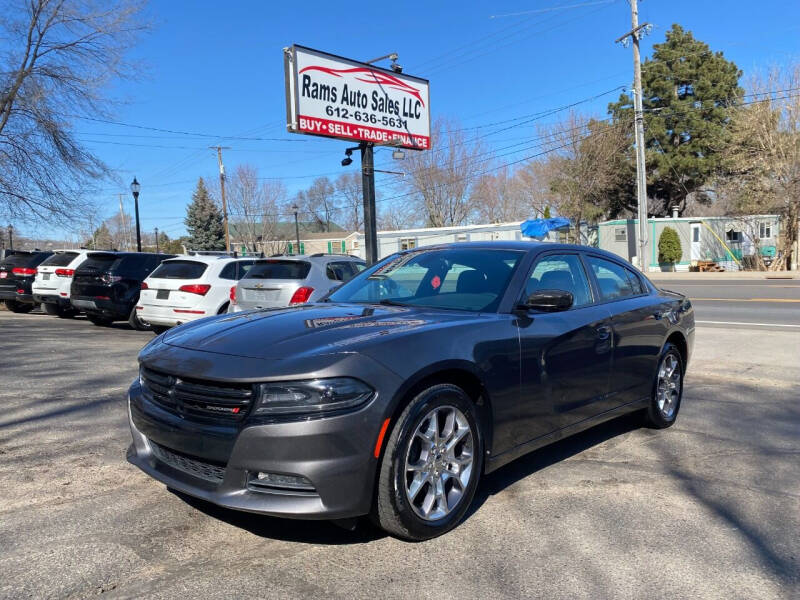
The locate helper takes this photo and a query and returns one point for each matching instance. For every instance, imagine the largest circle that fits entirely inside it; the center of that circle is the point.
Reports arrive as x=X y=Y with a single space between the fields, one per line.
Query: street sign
x=330 y=96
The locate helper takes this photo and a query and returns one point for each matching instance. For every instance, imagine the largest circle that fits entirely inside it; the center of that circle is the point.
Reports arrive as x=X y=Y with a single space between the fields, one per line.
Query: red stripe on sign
x=362 y=133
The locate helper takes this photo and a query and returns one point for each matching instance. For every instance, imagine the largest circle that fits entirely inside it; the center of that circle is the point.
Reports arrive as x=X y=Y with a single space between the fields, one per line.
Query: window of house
x=695 y=234
x=462 y=237
x=337 y=247
x=733 y=236
x=764 y=230
x=620 y=234
x=355 y=244
x=408 y=243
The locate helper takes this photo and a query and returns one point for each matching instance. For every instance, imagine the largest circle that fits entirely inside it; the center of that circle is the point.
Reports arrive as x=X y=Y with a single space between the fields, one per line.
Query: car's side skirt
x=493 y=463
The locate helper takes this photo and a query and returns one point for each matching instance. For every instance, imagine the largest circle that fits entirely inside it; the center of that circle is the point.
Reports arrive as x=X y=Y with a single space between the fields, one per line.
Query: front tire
x=667 y=389
x=431 y=465
x=19 y=307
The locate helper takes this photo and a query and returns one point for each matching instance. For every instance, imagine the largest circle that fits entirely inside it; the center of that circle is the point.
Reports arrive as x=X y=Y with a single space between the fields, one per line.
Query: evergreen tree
x=688 y=91
x=669 y=247
x=204 y=221
x=101 y=239
x=546 y=214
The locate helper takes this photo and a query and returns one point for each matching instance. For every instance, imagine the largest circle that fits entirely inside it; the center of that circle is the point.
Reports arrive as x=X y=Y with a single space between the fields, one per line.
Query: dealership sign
x=335 y=97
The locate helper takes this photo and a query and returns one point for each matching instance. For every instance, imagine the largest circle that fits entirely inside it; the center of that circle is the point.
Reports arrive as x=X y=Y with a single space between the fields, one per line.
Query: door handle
x=603 y=332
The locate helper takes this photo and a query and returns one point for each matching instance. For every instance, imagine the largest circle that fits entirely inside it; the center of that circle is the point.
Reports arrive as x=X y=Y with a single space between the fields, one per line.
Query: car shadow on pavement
x=289 y=530
x=551 y=454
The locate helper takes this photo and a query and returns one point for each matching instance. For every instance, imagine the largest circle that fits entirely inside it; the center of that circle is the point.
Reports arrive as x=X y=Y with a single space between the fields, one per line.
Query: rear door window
x=612 y=279
x=179 y=269
x=236 y=270
x=637 y=285
x=60 y=259
x=341 y=270
x=279 y=269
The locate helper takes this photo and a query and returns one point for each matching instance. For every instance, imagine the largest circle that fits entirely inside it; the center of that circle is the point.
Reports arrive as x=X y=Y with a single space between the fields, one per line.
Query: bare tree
x=587 y=160
x=763 y=167
x=397 y=216
x=55 y=62
x=320 y=203
x=440 y=180
x=351 y=200
x=255 y=209
x=499 y=197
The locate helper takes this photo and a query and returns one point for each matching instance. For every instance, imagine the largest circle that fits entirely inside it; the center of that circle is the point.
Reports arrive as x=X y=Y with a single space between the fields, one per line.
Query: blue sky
x=216 y=68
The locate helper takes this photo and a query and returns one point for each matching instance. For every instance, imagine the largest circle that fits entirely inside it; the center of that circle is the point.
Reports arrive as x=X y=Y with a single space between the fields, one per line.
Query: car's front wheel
x=667 y=389
x=431 y=465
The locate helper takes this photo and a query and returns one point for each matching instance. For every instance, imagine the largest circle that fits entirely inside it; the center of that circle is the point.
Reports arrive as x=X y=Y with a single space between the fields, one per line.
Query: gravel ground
x=709 y=508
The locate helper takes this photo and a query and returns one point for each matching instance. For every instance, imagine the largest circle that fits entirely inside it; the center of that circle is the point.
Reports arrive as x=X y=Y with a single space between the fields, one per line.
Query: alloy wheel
x=669 y=386
x=438 y=463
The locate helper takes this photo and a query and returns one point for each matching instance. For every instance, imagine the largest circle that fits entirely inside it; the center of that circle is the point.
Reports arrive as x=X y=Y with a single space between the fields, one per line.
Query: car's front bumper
x=335 y=454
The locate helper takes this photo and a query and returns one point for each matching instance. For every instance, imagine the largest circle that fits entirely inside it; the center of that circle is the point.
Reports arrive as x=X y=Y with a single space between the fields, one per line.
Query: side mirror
x=549 y=300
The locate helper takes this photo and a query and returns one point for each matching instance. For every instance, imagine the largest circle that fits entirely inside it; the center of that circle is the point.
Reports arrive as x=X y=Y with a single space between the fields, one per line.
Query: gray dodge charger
x=393 y=395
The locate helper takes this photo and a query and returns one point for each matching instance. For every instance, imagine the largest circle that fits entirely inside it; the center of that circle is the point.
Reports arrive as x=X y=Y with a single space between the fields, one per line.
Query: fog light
x=283 y=482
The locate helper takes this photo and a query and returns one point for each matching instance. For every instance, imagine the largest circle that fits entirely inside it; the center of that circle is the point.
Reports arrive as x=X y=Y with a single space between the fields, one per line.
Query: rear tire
x=136 y=323
x=99 y=320
x=665 y=400
x=159 y=329
x=429 y=473
x=19 y=307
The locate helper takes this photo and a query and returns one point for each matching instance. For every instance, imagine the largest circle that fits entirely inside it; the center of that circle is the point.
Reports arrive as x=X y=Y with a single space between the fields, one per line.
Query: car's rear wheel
x=136 y=323
x=159 y=329
x=99 y=320
x=431 y=465
x=667 y=389
x=19 y=307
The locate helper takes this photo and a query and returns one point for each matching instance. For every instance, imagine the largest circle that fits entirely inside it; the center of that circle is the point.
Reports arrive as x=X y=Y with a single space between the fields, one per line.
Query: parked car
x=286 y=280
x=189 y=288
x=106 y=285
x=17 y=271
x=53 y=280
x=394 y=395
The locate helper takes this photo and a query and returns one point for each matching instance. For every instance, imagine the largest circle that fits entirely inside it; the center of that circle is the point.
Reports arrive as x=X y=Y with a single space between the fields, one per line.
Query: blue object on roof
x=537 y=228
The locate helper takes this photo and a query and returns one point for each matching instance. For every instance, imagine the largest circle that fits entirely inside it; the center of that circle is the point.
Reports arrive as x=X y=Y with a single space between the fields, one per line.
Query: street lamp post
x=157 y=240
x=11 y=236
x=135 y=187
x=295 y=208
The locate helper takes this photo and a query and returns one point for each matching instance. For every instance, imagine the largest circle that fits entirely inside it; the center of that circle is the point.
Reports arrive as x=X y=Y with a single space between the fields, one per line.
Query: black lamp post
x=11 y=235
x=296 y=226
x=135 y=187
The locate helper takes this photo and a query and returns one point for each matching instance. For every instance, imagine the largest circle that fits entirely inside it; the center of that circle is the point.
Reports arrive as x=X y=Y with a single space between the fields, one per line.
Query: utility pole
x=219 y=150
x=156 y=240
x=638 y=31
x=368 y=189
x=10 y=237
x=126 y=234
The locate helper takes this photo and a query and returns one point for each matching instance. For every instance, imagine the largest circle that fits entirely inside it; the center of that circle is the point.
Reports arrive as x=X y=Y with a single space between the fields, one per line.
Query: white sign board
x=335 y=97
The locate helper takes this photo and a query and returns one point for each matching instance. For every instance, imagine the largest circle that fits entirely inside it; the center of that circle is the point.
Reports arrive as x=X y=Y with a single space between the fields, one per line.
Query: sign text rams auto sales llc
x=409 y=107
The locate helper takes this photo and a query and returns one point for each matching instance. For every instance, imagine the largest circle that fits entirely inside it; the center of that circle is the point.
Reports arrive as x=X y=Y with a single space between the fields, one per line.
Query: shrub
x=669 y=246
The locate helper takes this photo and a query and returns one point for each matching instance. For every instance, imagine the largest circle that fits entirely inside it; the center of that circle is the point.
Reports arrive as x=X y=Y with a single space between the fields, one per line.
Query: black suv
x=17 y=271
x=106 y=285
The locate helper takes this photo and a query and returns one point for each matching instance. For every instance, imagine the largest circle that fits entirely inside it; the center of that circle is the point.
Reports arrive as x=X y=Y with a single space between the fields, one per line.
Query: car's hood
x=310 y=329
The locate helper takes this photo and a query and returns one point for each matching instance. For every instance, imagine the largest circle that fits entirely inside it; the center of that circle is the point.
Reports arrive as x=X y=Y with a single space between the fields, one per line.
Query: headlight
x=313 y=396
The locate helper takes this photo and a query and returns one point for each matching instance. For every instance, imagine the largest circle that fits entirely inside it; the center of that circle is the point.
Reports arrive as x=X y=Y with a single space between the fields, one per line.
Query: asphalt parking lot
x=709 y=508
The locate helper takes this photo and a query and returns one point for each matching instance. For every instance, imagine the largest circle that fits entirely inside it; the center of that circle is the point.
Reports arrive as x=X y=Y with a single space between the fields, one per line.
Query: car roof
x=311 y=257
x=209 y=259
x=519 y=245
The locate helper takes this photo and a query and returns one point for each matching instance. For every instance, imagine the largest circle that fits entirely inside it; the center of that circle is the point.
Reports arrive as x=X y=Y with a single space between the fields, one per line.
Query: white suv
x=287 y=280
x=53 y=280
x=188 y=288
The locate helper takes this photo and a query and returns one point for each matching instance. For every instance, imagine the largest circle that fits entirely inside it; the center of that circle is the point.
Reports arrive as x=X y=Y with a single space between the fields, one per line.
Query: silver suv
x=286 y=280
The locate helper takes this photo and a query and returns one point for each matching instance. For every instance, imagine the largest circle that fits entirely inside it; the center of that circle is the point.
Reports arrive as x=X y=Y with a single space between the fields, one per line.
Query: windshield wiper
x=386 y=302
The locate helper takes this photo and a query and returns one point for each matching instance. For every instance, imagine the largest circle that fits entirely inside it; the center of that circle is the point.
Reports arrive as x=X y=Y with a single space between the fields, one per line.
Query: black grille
x=192 y=466
x=191 y=398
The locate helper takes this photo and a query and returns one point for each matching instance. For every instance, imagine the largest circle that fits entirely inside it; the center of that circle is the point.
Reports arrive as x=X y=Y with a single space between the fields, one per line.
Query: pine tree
x=688 y=92
x=669 y=247
x=204 y=221
x=546 y=213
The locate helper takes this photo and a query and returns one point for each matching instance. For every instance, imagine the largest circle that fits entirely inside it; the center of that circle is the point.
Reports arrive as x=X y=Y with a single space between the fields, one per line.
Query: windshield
x=472 y=279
